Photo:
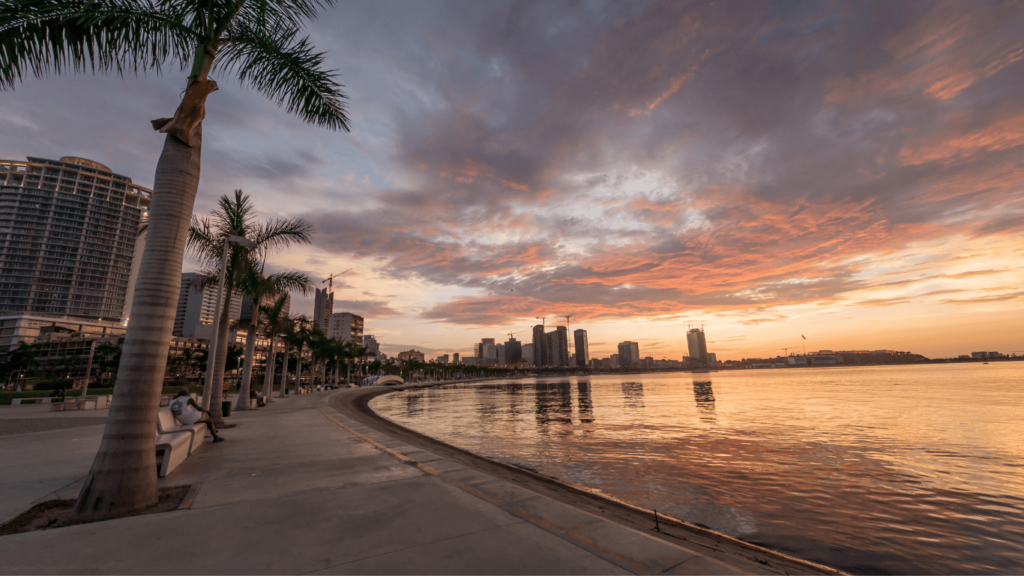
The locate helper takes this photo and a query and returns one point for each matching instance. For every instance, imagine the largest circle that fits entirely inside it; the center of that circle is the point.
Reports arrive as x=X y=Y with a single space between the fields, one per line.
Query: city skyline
x=871 y=199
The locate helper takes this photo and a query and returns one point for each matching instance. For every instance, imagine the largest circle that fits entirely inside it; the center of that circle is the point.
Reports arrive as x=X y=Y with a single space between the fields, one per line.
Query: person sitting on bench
x=260 y=400
x=187 y=412
x=59 y=394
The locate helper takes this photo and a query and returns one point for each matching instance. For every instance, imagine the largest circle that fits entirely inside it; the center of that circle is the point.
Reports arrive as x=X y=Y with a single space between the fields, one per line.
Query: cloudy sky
x=852 y=172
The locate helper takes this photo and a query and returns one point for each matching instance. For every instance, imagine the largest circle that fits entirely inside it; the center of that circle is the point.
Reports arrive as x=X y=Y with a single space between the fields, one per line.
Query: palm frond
x=289 y=282
x=281 y=233
x=203 y=242
x=38 y=37
x=286 y=69
x=260 y=13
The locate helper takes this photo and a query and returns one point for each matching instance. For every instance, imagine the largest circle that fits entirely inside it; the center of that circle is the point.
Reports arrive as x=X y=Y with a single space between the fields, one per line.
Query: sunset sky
x=852 y=172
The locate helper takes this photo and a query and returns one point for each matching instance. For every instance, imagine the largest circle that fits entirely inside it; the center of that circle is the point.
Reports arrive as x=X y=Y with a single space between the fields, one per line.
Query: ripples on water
x=906 y=469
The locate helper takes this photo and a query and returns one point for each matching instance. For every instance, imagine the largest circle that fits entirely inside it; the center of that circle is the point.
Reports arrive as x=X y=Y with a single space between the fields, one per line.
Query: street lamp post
x=88 y=369
x=211 y=353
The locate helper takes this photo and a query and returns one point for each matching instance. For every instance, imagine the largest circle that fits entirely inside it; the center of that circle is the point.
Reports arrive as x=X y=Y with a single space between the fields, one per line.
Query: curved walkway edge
x=571 y=512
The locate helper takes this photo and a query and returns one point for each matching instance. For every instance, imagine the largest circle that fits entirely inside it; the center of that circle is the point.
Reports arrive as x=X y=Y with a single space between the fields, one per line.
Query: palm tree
x=257 y=287
x=258 y=41
x=294 y=336
x=320 y=351
x=274 y=324
x=206 y=237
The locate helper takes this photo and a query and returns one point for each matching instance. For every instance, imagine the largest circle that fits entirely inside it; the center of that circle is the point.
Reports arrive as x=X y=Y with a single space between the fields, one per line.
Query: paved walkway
x=299 y=488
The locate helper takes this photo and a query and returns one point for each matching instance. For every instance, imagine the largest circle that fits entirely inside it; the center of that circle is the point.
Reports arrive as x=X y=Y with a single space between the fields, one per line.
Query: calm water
x=905 y=469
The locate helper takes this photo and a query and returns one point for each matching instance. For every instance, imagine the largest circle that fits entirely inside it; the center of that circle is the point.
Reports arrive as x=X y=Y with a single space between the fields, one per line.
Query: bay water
x=880 y=469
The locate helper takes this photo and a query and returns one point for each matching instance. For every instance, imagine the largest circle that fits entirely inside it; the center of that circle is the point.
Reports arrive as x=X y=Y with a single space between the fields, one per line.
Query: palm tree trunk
x=284 y=373
x=220 y=361
x=298 y=369
x=268 y=378
x=123 y=474
x=250 y=349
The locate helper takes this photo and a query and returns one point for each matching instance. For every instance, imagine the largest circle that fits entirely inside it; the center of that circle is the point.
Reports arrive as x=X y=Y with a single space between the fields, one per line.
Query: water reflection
x=705 y=398
x=586 y=405
x=554 y=403
x=634 y=395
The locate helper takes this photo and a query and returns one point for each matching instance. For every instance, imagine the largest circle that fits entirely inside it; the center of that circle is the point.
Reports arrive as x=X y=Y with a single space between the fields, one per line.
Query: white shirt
x=183 y=411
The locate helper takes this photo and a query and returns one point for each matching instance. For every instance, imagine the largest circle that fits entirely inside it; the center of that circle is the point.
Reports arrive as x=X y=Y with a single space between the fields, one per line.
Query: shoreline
x=673 y=530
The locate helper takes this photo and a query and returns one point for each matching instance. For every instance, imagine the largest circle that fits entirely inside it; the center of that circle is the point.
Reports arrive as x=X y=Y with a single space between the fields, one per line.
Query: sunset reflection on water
x=905 y=469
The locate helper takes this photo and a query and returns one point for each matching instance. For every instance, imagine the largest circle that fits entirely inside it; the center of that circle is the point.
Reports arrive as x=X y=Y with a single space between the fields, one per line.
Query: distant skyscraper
x=347 y=327
x=513 y=351
x=558 y=347
x=582 y=348
x=372 y=346
x=442 y=359
x=629 y=354
x=323 y=308
x=69 y=235
x=456 y=359
x=540 y=345
x=479 y=347
x=527 y=356
x=197 y=309
x=698 y=347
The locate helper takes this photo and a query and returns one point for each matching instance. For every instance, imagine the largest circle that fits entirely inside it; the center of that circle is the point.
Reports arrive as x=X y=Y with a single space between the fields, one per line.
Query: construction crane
x=568 y=333
x=541 y=318
x=330 y=279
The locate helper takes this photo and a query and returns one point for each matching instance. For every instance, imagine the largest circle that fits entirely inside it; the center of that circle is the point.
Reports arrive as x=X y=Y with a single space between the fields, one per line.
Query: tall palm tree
x=206 y=236
x=259 y=43
x=257 y=287
x=274 y=324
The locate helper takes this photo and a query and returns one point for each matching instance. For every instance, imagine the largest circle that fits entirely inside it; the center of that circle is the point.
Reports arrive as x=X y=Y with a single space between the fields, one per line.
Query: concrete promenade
x=301 y=488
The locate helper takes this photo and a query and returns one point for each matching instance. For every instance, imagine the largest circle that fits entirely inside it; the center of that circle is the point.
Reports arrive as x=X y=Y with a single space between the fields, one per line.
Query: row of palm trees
x=261 y=44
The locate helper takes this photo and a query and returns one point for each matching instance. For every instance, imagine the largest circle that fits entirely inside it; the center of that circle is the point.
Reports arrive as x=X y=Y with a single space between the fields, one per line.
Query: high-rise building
x=347 y=327
x=372 y=346
x=197 y=309
x=540 y=344
x=323 y=309
x=499 y=352
x=629 y=354
x=513 y=351
x=442 y=359
x=270 y=300
x=582 y=348
x=456 y=359
x=479 y=348
x=697 y=346
x=70 y=229
x=558 y=347
x=527 y=356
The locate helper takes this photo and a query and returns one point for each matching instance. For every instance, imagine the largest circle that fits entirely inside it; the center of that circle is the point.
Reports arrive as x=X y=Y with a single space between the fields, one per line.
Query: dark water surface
x=903 y=469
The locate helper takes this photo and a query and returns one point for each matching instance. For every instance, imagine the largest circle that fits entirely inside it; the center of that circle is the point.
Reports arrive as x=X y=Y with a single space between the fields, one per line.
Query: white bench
x=174 y=441
x=45 y=400
x=171 y=450
x=166 y=424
